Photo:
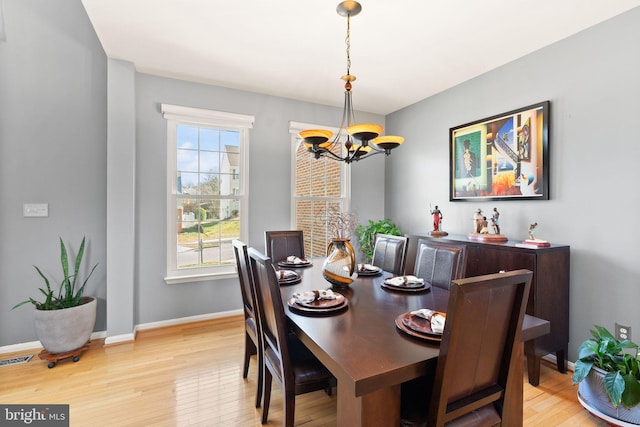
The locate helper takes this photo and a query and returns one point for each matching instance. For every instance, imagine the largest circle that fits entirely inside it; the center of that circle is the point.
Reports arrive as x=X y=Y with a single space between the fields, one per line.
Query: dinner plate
x=288 y=278
x=286 y=264
x=420 y=324
x=407 y=286
x=368 y=272
x=419 y=335
x=324 y=303
x=319 y=308
x=423 y=287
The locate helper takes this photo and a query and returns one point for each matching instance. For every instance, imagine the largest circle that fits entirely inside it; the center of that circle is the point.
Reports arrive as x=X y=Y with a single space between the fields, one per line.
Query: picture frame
x=502 y=157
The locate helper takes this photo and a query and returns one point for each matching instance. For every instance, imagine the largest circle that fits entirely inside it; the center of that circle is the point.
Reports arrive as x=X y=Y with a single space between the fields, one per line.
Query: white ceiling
x=402 y=51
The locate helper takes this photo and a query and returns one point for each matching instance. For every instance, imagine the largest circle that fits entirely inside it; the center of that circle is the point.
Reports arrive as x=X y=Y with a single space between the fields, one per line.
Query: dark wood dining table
x=370 y=357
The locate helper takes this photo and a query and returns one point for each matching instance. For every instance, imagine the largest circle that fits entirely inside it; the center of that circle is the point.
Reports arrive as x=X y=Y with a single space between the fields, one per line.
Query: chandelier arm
x=369 y=154
x=328 y=154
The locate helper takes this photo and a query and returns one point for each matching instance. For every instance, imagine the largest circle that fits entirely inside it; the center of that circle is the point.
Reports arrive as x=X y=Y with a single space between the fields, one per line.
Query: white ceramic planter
x=61 y=331
x=591 y=394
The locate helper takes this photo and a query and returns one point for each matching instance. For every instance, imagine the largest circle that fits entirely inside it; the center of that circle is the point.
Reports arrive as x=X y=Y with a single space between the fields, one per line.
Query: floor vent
x=16 y=360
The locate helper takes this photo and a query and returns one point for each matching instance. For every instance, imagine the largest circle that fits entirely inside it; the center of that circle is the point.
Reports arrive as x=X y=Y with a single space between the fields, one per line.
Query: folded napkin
x=367 y=267
x=437 y=319
x=404 y=280
x=311 y=296
x=285 y=274
x=295 y=260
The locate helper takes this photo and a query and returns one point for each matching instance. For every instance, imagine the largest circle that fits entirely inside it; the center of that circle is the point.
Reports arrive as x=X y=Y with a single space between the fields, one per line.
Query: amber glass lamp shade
x=315 y=138
x=353 y=150
x=364 y=131
x=388 y=142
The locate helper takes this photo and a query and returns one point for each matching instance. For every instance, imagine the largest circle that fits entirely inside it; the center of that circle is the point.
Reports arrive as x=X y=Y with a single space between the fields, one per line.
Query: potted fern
x=608 y=374
x=65 y=318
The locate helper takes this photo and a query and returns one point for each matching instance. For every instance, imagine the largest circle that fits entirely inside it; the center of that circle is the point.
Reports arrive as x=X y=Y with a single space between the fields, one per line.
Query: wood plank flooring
x=191 y=375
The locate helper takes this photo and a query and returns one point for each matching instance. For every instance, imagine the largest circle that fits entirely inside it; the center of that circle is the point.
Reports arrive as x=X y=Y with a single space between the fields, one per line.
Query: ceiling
x=402 y=51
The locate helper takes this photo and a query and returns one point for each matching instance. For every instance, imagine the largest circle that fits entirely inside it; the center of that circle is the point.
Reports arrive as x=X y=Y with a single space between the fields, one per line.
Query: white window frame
x=345 y=170
x=180 y=115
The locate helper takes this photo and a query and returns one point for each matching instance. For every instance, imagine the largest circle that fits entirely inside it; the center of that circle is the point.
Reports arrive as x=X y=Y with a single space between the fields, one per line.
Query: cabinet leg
x=533 y=369
x=561 y=360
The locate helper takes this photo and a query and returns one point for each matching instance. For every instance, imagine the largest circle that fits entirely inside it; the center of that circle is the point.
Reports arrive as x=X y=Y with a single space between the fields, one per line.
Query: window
x=319 y=186
x=207 y=154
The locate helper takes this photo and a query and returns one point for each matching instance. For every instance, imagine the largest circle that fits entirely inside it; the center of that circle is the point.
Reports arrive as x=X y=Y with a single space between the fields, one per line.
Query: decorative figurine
x=532 y=242
x=437 y=217
x=494 y=221
x=477 y=221
x=437 y=223
x=485 y=226
x=481 y=227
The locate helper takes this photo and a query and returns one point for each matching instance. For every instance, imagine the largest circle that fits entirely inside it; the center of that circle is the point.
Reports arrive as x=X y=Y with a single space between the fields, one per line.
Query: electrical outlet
x=623 y=332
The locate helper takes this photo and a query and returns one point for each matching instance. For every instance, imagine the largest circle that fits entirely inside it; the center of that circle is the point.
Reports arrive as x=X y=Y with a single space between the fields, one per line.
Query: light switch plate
x=35 y=210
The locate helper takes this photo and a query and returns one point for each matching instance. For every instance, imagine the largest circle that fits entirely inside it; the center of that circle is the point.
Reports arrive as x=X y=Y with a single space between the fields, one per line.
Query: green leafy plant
x=69 y=293
x=622 y=369
x=367 y=235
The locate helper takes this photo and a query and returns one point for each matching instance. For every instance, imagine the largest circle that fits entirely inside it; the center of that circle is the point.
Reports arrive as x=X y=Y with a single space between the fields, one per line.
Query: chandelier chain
x=348 y=42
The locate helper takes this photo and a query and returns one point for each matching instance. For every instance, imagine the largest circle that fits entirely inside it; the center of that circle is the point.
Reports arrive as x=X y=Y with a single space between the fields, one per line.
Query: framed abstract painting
x=503 y=157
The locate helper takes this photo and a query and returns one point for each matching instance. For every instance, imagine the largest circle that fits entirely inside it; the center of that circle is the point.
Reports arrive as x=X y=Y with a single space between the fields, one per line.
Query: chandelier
x=363 y=140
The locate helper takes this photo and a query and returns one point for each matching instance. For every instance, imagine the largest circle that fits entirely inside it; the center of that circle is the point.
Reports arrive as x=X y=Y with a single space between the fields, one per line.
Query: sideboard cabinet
x=549 y=296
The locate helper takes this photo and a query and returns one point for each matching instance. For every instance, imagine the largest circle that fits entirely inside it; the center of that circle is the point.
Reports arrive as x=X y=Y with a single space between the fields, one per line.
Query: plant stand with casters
x=53 y=358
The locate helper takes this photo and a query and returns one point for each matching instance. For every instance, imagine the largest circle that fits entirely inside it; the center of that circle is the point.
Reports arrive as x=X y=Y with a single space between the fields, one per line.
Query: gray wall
x=55 y=115
x=269 y=185
x=592 y=82
x=53 y=133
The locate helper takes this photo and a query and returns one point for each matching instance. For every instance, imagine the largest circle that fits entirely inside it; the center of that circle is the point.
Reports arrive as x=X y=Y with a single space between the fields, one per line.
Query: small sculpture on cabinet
x=532 y=241
x=437 y=223
x=481 y=227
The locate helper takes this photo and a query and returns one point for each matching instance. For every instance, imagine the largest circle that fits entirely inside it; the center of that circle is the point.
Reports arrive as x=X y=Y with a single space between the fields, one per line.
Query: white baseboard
x=553 y=359
x=117 y=339
x=190 y=319
x=35 y=345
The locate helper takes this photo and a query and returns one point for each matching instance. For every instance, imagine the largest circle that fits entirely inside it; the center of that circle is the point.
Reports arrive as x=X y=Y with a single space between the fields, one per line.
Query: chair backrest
x=247 y=287
x=389 y=253
x=272 y=315
x=440 y=263
x=281 y=244
x=483 y=326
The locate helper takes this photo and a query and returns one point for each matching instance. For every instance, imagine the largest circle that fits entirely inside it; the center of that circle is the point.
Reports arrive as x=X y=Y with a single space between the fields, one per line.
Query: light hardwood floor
x=191 y=375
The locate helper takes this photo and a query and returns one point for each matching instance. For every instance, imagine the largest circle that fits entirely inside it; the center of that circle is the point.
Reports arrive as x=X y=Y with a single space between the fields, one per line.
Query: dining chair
x=252 y=336
x=389 y=253
x=286 y=359
x=482 y=330
x=281 y=244
x=440 y=263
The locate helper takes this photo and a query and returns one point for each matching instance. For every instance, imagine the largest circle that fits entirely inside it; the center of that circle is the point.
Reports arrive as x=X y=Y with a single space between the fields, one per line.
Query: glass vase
x=340 y=264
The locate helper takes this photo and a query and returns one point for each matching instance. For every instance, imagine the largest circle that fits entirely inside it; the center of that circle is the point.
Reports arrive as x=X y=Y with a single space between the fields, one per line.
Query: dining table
x=370 y=356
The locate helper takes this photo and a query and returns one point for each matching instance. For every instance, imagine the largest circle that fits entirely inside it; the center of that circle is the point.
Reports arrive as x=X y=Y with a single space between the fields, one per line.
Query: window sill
x=172 y=280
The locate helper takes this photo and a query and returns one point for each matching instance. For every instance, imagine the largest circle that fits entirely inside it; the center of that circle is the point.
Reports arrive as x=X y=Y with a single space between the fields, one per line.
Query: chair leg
x=267 y=395
x=260 y=388
x=289 y=398
x=249 y=349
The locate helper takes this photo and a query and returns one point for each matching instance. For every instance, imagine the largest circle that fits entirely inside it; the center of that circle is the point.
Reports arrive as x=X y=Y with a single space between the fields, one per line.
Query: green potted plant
x=608 y=374
x=367 y=235
x=65 y=318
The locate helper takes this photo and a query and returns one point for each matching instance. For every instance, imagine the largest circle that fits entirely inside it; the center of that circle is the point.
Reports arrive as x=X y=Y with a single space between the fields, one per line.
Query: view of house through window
x=207 y=190
x=321 y=186
x=206 y=211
